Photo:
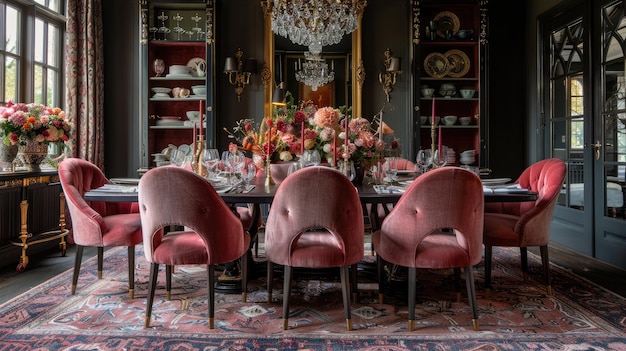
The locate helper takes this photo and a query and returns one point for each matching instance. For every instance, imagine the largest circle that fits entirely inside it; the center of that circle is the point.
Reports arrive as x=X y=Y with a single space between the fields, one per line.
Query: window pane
x=52 y=84
x=10 y=86
x=38 y=88
x=12 y=31
x=53 y=35
x=39 y=41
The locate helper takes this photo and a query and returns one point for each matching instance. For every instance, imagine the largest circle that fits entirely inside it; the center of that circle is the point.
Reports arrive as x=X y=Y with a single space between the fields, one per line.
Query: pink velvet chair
x=212 y=234
x=524 y=224
x=316 y=221
x=437 y=223
x=99 y=224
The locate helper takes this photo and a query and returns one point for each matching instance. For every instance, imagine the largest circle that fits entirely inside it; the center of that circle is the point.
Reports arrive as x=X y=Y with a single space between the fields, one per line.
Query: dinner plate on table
x=221 y=188
x=496 y=181
x=129 y=181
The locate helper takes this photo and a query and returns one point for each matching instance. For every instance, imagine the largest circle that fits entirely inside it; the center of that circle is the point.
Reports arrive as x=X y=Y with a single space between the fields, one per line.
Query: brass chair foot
x=549 y=289
x=410 y=325
x=381 y=298
x=475 y=325
x=458 y=297
x=211 y=323
x=285 y=324
x=168 y=295
x=99 y=274
x=131 y=293
x=73 y=289
x=244 y=296
x=146 y=322
x=525 y=276
x=269 y=297
x=487 y=293
x=349 y=324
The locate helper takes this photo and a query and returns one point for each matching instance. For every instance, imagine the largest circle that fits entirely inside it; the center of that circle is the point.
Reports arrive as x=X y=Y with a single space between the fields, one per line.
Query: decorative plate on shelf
x=447 y=22
x=458 y=63
x=194 y=63
x=436 y=65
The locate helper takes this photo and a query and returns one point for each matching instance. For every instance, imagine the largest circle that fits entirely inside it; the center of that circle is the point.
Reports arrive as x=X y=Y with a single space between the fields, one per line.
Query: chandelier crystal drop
x=315 y=23
x=315 y=72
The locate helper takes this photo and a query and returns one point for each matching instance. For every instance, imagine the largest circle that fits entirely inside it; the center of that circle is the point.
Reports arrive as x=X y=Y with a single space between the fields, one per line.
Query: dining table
x=258 y=193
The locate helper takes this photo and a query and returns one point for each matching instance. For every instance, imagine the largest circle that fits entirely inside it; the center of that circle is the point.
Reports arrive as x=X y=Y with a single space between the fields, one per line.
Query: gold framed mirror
x=268 y=76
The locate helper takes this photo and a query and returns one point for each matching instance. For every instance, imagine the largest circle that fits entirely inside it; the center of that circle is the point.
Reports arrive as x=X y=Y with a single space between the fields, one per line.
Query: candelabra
x=239 y=71
x=392 y=69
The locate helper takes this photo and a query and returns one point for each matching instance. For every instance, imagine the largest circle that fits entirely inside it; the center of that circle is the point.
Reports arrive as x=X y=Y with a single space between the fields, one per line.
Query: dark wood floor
x=13 y=283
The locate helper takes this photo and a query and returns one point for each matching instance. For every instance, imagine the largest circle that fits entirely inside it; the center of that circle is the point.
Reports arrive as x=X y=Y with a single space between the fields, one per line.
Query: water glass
x=210 y=158
x=391 y=169
x=424 y=160
x=311 y=158
x=249 y=173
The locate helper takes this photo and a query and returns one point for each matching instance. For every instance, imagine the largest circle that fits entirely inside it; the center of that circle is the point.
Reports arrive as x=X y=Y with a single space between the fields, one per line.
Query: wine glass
x=348 y=169
x=424 y=159
x=210 y=158
x=440 y=159
x=178 y=158
x=250 y=173
x=391 y=169
x=311 y=158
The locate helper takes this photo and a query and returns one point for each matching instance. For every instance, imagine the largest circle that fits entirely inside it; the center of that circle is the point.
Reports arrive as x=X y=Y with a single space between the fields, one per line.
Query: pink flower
x=326 y=117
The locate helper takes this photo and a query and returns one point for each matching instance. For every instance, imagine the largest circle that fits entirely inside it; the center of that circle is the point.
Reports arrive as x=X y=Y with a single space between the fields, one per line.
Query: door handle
x=597 y=146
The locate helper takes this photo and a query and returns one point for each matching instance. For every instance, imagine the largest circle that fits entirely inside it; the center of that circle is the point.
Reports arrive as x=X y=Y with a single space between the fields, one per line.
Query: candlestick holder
x=433 y=144
x=268 y=172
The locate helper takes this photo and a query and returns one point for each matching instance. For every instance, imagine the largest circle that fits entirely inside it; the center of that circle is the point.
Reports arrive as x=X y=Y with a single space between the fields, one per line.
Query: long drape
x=84 y=77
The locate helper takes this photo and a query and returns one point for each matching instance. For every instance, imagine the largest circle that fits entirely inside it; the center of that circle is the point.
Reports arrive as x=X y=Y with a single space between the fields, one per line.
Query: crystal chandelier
x=314 y=23
x=314 y=71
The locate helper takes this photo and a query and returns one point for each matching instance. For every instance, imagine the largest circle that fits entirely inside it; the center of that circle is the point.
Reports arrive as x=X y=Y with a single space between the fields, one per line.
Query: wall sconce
x=239 y=71
x=388 y=78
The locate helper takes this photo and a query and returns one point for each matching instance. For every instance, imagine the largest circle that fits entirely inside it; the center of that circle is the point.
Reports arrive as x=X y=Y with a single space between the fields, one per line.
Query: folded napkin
x=384 y=189
x=116 y=188
x=504 y=189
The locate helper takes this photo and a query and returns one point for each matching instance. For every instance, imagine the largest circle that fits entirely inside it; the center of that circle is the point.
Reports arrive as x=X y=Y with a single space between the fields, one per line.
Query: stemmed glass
x=348 y=169
x=391 y=169
x=441 y=158
x=250 y=173
x=210 y=158
x=424 y=159
x=311 y=158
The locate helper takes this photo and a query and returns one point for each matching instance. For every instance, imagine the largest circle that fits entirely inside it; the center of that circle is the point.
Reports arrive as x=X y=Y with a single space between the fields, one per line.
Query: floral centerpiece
x=32 y=127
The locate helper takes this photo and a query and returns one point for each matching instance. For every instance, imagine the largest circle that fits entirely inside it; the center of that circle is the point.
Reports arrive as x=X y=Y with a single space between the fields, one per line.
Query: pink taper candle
x=335 y=149
x=302 y=138
x=195 y=138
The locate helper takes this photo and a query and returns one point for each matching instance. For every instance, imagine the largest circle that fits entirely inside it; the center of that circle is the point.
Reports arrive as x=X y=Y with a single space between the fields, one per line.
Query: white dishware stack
x=468 y=157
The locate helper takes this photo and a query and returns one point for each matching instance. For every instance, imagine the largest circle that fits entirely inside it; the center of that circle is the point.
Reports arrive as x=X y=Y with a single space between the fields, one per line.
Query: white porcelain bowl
x=180 y=70
x=467 y=93
x=450 y=120
x=423 y=119
x=198 y=89
x=428 y=92
x=465 y=121
x=160 y=90
x=193 y=116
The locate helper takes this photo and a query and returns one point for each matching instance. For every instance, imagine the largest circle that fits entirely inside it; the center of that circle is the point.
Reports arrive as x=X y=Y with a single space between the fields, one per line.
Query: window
x=31 y=51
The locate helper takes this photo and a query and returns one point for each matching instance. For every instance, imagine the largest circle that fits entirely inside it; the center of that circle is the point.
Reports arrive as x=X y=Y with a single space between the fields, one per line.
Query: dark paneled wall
x=386 y=24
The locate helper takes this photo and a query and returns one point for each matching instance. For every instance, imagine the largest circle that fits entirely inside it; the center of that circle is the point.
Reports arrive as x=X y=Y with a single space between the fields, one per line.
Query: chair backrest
x=444 y=198
x=77 y=177
x=175 y=196
x=313 y=198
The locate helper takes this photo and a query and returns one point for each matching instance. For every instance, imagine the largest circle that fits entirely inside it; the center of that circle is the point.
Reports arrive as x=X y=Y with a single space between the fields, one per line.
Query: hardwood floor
x=13 y=283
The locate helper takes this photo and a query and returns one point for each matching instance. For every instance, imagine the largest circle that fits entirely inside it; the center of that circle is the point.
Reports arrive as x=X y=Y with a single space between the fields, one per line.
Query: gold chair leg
x=381 y=298
x=475 y=325
x=487 y=293
x=211 y=323
x=349 y=324
x=73 y=289
x=285 y=324
x=146 y=322
x=458 y=297
x=131 y=293
x=549 y=290
x=410 y=325
x=244 y=296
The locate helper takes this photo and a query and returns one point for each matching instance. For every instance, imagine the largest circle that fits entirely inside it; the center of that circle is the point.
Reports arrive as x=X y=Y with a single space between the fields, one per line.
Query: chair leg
x=488 y=251
x=244 y=277
x=211 y=288
x=286 y=294
x=457 y=284
x=411 y=304
x=131 y=272
x=546 y=268
x=100 y=259
x=270 y=280
x=168 y=282
x=154 y=272
x=354 y=286
x=345 y=291
x=471 y=293
x=77 y=262
x=379 y=273
x=524 y=262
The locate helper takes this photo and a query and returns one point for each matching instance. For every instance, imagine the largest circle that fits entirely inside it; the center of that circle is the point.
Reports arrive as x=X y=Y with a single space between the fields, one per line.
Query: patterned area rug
x=517 y=316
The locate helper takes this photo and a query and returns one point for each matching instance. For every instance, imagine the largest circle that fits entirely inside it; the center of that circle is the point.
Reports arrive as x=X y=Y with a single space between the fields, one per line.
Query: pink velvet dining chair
x=98 y=224
x=315 y=221
x=211 y=232
x=437 y=223
x=524 y=224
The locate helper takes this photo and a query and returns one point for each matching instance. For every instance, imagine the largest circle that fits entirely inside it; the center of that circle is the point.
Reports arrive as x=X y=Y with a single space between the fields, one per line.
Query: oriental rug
x=517 y=316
